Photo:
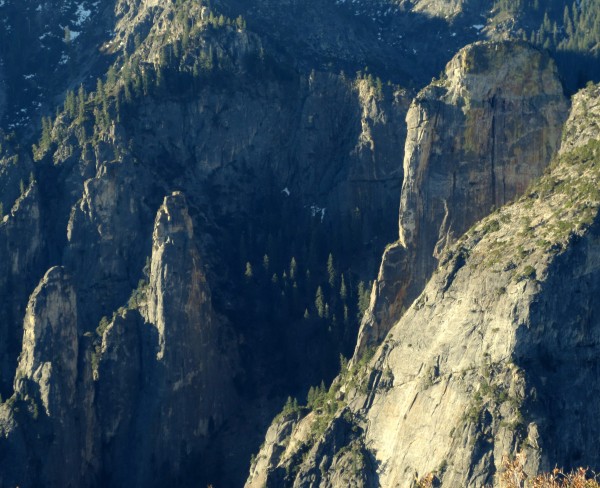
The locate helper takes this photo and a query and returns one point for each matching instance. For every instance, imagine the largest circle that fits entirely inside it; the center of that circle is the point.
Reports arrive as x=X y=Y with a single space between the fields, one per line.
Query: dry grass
x=515 y=477
x=426 y=481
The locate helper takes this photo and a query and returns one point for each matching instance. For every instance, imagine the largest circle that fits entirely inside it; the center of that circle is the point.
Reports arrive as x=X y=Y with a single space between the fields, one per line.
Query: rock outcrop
x=480 y=365
x=443 y=8
x=197 y=360
x=50 y=343
x=158 y=378
x=46 y=425
x=476 y=139
x=21 y=254
x=166 y=365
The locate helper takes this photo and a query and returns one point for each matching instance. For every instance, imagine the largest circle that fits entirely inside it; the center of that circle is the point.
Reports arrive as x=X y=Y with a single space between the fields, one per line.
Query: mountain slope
x=234 y=130
x=481 y=364
x=195 y=199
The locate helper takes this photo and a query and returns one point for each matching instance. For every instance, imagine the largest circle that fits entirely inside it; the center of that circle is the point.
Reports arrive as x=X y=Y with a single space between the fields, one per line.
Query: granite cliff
x=495 y=357
x=195 y=198
x=476 y=139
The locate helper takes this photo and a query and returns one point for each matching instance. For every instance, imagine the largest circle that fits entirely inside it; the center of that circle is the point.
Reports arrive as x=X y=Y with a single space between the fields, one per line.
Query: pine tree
x=160 y=78
x=111 y=77
x=567 y=22
x=248 y=273
x=81 y=104
x=293 y=268
x=291 y=405
x=46 y=138
x=266 y=262
x=320 y=303
x=70 y=104
x=118 y=106
x=99 y=90
x=240 y=23
x=546 y=24
x=343 y=290
x=331 y=270
x=378 y=88
x=186 y=35
x=145 y=81
x=310 y=397
x=363 y=299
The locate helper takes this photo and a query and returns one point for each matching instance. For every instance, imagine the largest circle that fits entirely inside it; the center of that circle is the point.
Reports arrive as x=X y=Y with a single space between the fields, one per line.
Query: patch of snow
x=28 y=77
x=82 y=15
x=316 y=210
x=74 y=35
x=478 y=26
x=286 y=191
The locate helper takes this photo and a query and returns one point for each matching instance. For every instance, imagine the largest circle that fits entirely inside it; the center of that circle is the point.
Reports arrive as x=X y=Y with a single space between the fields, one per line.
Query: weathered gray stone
x=483 y=362
x=476 y=139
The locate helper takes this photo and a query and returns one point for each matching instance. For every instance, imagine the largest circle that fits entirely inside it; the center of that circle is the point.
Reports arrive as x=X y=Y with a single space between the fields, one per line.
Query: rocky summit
x=273 y=243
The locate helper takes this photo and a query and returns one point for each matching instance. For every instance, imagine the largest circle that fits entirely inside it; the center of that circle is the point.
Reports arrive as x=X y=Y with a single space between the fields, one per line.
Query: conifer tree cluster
x=184 y=66
x=299 y=277
x=568 y=29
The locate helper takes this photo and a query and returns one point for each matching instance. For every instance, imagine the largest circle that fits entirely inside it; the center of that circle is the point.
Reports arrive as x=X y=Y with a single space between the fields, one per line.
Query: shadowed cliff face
x=47 y=422
x=21 y=249
x=147 y=216
x=476 y=139
x=479 y=366
x=139 y=403
x=168 y=360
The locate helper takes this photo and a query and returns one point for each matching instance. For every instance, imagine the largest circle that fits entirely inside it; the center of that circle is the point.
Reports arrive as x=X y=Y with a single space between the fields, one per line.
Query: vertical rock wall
x=476 y=139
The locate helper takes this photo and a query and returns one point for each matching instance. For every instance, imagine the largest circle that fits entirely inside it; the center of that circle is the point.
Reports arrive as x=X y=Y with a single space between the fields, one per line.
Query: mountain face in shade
x=195 y=198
